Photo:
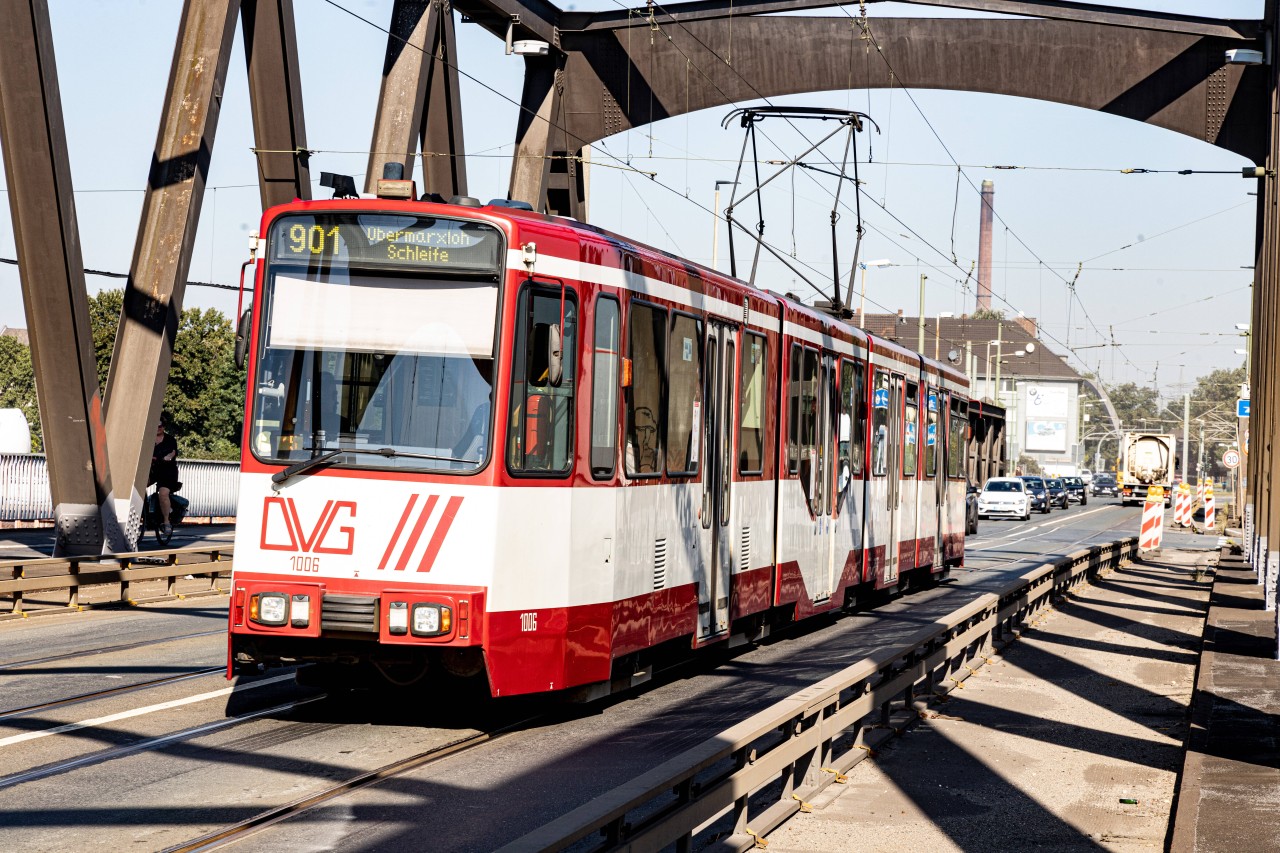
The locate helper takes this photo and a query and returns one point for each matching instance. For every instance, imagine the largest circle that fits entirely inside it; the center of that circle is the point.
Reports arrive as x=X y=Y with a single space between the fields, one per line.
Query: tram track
x=108 y=692
x=242 y=830
x=122 y=647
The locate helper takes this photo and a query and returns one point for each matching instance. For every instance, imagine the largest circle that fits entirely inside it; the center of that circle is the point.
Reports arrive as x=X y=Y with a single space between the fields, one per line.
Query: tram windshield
x=377 y=335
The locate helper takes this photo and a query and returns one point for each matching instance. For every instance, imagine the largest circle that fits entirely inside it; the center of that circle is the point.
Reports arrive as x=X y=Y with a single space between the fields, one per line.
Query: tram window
x=844 y=432
x=540 y=426
x=647 y=341
x=751 y=405
x=859 y=443
x=910 y=431
x=604 y=393
x=793 y=410
x=880 y=425
x=809 y=401
x=931 y=433
x=684 y=394
x=956 y=444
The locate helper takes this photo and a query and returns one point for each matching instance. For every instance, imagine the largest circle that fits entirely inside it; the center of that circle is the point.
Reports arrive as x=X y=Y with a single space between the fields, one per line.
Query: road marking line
x=998 y=543
x=137 y=712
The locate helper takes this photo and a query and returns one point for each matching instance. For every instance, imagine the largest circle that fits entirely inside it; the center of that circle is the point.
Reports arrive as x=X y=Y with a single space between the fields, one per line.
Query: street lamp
x=862 y=303
x=937 y=330
x=716 y=219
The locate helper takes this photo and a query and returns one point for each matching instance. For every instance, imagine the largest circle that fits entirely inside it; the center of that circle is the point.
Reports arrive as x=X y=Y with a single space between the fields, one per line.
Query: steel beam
x=529 y=19
x=51 y=270
x=1180 y=82
x=543 y=147
x=162 y=254
x=275 y=98
x=1091 y=13
x=420 y=100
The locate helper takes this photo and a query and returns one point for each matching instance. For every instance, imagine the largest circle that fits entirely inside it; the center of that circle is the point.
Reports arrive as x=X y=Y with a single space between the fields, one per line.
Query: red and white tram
x=484 y=441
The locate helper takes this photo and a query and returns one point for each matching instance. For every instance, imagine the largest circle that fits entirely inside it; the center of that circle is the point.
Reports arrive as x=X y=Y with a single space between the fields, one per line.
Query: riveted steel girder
x=51 y=270
x=547 y=170
x=275 y=98
x=615 y=80
x=162 y=254
x=420 y=100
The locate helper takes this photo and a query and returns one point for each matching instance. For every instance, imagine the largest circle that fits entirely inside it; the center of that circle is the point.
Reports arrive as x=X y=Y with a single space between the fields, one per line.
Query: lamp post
x=920 y=320
x=937 y=331
x=715 y=222
x=862 y=302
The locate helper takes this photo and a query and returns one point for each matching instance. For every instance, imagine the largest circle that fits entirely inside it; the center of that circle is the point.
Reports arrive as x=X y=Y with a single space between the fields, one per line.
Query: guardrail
x=210 y=486
x=750 y=778
x=51 y=574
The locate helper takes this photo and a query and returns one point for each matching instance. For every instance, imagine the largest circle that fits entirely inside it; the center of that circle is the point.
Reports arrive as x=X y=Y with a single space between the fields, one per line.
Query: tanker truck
x=1146 y=460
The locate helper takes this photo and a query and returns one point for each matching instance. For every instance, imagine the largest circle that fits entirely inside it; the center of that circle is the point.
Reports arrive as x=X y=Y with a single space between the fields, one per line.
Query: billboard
x=1048 y=402
x=1046 y=436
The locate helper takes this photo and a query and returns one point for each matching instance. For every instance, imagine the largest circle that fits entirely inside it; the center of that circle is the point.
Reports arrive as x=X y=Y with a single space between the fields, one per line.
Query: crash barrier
x=1182 y=505
x=736 y=787
x=19 y=578
x=1210 y=511
x=210 y=486
x=1151 y=533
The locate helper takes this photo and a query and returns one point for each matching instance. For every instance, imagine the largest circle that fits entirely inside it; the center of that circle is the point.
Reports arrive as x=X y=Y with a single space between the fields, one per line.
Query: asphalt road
x=178 y=751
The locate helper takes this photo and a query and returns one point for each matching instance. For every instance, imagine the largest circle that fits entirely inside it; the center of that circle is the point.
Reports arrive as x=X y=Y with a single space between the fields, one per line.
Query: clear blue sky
x=113 y=61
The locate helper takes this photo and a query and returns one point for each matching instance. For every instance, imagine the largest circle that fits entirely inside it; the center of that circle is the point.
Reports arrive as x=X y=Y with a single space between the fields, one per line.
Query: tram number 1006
x=304 y=564
x=528 y=622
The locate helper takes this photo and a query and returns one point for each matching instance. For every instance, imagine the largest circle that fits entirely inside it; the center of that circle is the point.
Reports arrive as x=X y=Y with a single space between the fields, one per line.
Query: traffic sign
x=1231 y=458
x=1242 y=408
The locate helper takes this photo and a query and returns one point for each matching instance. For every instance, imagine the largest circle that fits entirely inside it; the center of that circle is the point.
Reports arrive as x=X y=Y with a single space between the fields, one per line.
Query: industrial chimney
x=984 y=245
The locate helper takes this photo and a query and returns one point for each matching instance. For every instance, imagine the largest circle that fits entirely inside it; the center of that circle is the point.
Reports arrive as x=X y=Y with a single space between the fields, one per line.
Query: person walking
x=164 y=472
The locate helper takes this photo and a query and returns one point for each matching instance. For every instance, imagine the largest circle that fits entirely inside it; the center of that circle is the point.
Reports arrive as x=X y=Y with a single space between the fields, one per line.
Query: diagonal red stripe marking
x=395 y=537
x=417 y=531
x=442 y=530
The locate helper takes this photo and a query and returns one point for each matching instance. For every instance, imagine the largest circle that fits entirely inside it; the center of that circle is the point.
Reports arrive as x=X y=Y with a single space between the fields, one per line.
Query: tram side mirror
x=555 y=356
x=242 y=338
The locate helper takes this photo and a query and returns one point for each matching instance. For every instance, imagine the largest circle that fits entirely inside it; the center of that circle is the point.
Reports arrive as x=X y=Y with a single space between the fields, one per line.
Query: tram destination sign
x=386 y=241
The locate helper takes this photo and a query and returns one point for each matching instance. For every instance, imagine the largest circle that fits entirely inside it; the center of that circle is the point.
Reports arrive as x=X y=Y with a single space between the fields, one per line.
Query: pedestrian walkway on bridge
x=1100 y=725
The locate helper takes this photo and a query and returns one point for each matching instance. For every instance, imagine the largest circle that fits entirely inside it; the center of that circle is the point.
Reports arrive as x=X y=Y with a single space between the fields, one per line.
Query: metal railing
x=19 y=578
x=210 y=486
x=738 y=786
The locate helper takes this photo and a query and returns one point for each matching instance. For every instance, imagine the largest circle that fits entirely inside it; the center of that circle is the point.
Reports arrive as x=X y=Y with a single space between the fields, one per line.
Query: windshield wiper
x=329 y=458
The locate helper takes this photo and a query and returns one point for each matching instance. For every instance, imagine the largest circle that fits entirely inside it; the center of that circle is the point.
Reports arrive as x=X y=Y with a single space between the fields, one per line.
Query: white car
x=1004 y=496
x=1086 y=475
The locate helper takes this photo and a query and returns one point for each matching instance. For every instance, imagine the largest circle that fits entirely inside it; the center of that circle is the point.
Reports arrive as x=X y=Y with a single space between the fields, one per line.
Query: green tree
x=1134 y=403
x=205 y=395
x=18 y=385
x=987 y=314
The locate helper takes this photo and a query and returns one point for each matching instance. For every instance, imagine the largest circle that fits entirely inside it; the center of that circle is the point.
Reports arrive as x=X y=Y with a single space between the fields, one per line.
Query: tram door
x=717 y=479
x=894 y=472
x=937 y=438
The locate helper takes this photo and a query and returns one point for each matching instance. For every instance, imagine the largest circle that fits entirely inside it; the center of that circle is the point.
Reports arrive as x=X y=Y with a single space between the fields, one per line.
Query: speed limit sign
x=1231 y=458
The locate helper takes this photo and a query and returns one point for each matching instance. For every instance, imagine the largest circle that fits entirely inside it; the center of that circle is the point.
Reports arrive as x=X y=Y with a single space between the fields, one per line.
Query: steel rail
x=72 y=573
x=787 y=754
x=123 y=647
x=110 y=691
x=239 y=831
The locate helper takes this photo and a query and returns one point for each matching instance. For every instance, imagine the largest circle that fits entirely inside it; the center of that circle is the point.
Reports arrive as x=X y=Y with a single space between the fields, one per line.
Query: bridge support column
x=51 y=270
x=549 y=169
x=420 y=100
x=275 y=98
x=162 y=255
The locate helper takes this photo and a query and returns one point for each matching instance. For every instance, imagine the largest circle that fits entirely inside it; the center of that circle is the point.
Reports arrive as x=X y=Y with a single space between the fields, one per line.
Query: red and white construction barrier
x=1151 y=534
x=1200 y=491
x=1182 y=505
x=1210 y=519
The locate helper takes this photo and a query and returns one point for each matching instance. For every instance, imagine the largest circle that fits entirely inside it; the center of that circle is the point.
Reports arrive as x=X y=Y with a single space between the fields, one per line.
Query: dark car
x=1104 y=484
x=1057 y=492
x=1039 y=492
x=971 y=509
x=1077 y=491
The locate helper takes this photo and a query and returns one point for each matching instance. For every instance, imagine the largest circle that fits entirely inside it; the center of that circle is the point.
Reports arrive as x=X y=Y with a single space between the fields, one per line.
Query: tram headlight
x=431 y=620
x=269 y=608
x=398 y=618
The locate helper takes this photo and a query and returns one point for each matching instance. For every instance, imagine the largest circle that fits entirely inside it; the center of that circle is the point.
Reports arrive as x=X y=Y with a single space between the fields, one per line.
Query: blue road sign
x=932 y=435
x=1242 y=408
x=911 y=433
x=880 y=399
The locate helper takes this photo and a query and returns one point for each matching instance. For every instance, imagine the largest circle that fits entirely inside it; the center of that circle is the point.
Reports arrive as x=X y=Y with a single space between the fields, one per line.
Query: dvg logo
x=319 y=537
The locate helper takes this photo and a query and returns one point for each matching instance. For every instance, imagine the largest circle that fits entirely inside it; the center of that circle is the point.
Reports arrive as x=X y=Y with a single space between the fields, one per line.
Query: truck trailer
x=1146 y=460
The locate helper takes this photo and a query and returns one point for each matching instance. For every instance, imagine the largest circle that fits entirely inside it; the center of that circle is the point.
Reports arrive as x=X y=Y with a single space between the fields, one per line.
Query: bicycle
x=152 y=518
